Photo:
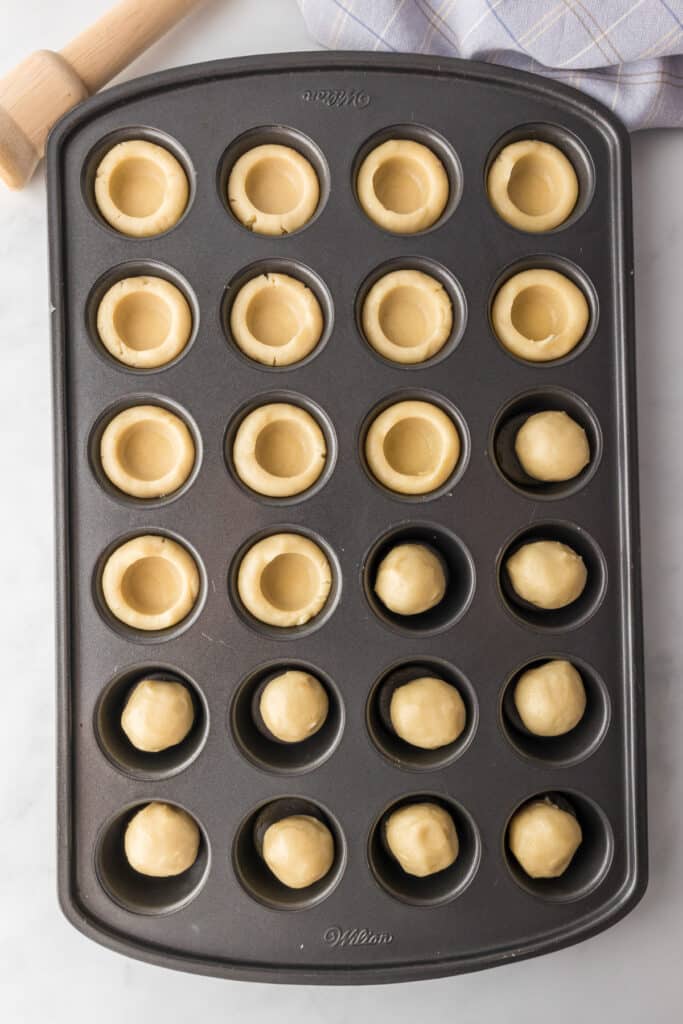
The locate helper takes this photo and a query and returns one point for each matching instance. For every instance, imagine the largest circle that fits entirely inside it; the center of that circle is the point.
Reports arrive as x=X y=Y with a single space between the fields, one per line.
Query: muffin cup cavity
x=143 y=894
x=515 y=414
x=378 y=714
x=407 y=179
x=571 y=747
x=590 y=863
x=277 y=313
x=139 y=182
x=411 y=312
x=118 y=747
x=258 y=743
x=285 y=582
x=539 y=178
x=254 y=874
x=281 y=447
x=579 y=611
x=436 y=889
x=273 y=180
x=414 y=445
x=459 y=571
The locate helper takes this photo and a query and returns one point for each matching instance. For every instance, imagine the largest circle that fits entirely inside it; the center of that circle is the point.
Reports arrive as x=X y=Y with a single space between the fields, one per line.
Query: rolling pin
x=44 y=86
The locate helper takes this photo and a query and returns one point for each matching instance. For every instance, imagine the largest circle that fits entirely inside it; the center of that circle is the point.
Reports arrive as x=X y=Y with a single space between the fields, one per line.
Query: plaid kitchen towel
x=627 y=53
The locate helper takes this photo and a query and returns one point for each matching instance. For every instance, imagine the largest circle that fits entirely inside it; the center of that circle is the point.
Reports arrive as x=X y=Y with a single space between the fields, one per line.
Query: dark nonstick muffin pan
x=366 y=921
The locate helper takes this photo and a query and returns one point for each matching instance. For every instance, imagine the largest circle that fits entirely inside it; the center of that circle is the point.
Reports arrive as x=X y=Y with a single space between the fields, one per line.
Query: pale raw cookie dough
x=140 y=188
x=422 y=838
x=161 y=841
x=150 y=582
x=544 y=838
x=410 y=579
x=552 y=447
x=276 y=320
x=402 y=186
x=540 y=315
x=551 y=698
x=407 y=316
x=279 y=450
x=147 y=451
x=427 y=713
x=293 y=706
x=299 y=850
x=547 y=573
x=159 y=713
x=284 y=580
x=412 y=447
x=273 y=190
x=532 y=185
x=144 y=322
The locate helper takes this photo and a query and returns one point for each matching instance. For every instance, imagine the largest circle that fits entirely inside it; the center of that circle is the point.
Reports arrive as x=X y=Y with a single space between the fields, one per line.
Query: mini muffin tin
x=366 y=921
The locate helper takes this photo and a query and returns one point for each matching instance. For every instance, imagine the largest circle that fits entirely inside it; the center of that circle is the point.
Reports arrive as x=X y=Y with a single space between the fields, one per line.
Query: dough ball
x=422 y=838
x=550 y=699
x=544 y=838
x=299 y=850
x=158 y=714
x=427 y=713
x=547 y=574
x=410 y=579
x=551 y=446
x=161 y=841
x=293 y=706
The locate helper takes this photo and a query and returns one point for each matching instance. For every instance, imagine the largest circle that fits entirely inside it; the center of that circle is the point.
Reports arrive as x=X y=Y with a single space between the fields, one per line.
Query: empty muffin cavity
x=279 y=449
x=144 y=321
x=285 y=581
x=140 y=188
x=259 y=880
x=414 y=447
x=441 y=886
x=150 y=583
x=146 y=451
x=275 y=318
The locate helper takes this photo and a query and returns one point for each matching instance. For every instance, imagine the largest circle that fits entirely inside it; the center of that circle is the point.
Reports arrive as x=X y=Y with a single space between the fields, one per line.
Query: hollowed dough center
x=147 y=451
x=274 y=186
x=137 y=187
x=284 y=449
x=142 y=320
x=401 y=185
x=538 y=313
x=534 y=186
x=290 y=582
x=272 y=319
x=151 y=585
x=407 y=317
x=412 y=447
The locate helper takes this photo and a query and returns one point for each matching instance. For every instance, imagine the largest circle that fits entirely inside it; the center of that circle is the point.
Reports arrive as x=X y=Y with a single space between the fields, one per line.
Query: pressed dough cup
x=144 y=322
x=147 y=451
x=540 y=315
x=407 y=316
x=412 y=447
x=140 y=188
x=279 y=450
x=273 y=190
x=284 y=580
x=532 y=185
x=150 y=582
x=276 y=320
x=402 y=186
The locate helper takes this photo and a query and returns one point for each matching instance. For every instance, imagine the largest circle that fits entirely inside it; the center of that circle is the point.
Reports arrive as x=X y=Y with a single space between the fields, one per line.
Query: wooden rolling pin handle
x=44 y=86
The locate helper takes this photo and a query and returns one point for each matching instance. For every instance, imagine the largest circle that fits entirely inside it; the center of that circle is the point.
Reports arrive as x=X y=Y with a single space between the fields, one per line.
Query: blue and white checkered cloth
x=627 y=53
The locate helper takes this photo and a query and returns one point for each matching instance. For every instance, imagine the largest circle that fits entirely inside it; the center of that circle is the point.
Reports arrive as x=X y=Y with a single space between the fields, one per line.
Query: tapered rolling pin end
x=34 y=95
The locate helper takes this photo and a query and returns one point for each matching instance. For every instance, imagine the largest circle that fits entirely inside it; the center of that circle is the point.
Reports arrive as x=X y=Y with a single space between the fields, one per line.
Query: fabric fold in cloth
x=626 y=53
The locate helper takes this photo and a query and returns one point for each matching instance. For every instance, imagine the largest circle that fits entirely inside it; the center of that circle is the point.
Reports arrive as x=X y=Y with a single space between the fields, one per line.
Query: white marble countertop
x=48 y=972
